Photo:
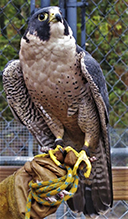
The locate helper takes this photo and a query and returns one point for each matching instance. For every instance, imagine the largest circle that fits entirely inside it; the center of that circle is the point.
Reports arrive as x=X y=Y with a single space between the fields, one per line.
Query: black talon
x=80 y=173
x=62 y=167
x=63 y=152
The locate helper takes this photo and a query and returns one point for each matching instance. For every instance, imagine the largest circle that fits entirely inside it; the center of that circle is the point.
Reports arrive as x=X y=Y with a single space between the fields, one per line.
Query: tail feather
x=101 y=184
x=89 y=206
x=97 y=190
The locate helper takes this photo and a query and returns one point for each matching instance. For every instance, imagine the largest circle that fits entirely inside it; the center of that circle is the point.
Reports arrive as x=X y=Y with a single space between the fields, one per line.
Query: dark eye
x=42 y=16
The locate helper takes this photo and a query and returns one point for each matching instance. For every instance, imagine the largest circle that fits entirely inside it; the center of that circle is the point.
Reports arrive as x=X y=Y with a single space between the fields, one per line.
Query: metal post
x=30 y=145
x=62 y=7
x=72 y=16
x=83 y=33
x=45 y=3
x=32 y=7
x=60 y=211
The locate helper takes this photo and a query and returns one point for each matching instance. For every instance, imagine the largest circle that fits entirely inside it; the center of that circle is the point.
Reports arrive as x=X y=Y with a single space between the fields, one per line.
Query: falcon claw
x=53 y=157
x=80 y=173
x=62 y=167
x=83 y=157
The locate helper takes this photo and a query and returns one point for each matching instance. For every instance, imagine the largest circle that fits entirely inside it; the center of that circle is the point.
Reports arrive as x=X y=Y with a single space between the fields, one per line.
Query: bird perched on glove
x=58 y=91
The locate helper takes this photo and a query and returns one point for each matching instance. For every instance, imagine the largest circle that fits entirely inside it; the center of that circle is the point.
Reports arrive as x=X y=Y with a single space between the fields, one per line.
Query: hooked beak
x=55 y=17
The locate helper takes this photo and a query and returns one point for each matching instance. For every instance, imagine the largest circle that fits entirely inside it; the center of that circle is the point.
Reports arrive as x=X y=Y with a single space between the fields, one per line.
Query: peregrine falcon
x=58 y=91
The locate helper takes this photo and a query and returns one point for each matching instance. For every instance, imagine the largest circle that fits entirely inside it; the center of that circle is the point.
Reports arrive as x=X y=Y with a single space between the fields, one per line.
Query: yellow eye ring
x=42 y=16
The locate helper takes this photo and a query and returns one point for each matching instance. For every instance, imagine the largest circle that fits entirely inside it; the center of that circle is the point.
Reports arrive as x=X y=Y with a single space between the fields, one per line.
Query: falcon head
x=46 y=23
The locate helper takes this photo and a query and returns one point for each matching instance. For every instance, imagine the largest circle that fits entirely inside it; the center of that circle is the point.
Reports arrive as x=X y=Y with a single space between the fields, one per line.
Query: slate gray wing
x=22 y=106
x=98 y=190
x=103 y=178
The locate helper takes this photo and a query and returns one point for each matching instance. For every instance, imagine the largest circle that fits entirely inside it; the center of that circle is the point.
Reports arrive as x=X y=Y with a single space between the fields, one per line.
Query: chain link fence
x=106 y=34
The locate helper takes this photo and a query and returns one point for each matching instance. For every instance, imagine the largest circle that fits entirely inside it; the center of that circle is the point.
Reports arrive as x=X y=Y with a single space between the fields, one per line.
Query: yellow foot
x=53 y=157
x=83 y=157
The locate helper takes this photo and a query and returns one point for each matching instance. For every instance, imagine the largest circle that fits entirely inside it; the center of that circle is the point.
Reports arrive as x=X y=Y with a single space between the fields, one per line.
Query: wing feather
x=102 y=183
x=22 y=106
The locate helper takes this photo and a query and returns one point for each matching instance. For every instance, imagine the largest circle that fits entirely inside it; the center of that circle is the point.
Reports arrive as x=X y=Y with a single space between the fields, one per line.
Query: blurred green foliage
x=106 y=40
